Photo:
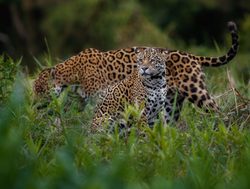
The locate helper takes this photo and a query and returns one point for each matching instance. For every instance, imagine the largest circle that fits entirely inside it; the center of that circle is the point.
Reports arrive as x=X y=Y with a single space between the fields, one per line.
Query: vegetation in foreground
x=53 y=149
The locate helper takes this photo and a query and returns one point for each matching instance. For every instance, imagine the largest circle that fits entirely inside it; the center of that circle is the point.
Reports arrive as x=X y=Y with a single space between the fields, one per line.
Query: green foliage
x=245 y=28
x=195 y=21
x=71 y=26
x=8 y=70
x=51 y=148
x=100 y=24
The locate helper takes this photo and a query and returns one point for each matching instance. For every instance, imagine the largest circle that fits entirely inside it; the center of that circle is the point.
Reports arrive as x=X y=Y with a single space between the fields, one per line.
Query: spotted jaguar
x=147 y=86
x=93 y=71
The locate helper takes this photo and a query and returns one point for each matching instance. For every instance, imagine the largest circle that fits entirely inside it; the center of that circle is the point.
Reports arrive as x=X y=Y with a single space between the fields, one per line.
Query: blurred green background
x=68 y=26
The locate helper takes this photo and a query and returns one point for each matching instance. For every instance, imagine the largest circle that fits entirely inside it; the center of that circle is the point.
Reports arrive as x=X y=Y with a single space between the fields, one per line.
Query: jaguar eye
x=139 y=61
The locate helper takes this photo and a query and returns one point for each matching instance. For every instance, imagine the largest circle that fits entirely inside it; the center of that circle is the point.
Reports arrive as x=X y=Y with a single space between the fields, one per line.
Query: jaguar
x=147 y=86
x=92 y=71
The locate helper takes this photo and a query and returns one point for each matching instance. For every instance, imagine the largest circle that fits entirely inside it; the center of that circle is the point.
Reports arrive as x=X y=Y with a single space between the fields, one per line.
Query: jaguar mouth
x=144 y=73
x=151 y=75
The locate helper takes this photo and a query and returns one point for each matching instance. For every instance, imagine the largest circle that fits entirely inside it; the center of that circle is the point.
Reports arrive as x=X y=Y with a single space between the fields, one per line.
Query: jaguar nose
x=144 y=69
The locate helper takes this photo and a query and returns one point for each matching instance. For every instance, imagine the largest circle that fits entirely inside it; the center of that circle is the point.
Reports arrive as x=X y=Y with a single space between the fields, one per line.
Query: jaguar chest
x=155 y=100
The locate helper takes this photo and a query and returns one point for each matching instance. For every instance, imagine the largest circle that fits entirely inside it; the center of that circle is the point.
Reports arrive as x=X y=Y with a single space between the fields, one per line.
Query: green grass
x=43 y=150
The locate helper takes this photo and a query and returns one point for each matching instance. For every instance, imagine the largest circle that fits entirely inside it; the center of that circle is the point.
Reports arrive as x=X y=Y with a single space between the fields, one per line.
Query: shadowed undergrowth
x=40 y=149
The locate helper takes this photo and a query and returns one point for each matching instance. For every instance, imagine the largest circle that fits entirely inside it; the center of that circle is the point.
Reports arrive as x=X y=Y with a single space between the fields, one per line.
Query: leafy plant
x=53 y=148
x=8 y=70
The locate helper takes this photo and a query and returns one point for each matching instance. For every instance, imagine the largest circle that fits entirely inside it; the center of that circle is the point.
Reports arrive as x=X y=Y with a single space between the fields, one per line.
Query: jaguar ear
x=139 y=50
x=164 y=54
x=52 y=73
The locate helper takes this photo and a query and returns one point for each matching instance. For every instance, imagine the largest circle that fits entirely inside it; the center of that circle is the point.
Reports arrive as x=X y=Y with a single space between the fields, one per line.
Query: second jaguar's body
x=93 y=71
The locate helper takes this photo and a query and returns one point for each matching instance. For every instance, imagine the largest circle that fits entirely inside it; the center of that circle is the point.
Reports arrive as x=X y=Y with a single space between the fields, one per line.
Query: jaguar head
x=151 y=63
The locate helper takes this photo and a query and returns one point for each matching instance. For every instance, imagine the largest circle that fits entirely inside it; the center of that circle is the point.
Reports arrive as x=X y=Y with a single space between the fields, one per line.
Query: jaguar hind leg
x=195 y=91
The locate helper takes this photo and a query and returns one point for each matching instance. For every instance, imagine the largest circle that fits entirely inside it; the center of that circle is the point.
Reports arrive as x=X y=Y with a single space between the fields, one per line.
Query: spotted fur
x=147 y=86
x=94 y=71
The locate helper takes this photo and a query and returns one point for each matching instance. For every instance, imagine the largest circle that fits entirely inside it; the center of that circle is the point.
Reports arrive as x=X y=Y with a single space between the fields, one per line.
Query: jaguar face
x=150 y=63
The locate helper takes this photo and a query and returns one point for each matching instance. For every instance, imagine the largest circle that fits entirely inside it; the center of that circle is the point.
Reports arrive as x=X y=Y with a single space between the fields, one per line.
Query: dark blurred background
x=28 y=28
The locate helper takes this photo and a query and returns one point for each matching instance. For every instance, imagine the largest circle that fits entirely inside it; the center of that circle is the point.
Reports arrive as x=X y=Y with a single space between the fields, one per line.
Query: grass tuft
x=52 y=148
